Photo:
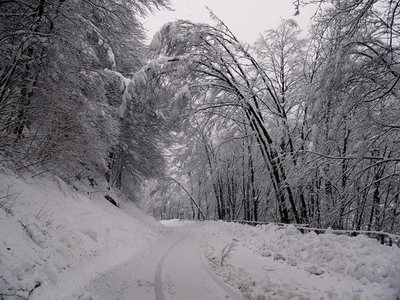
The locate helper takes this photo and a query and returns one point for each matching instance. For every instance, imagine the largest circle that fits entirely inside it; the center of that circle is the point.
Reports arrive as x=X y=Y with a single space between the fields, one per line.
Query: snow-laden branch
x=190 y=196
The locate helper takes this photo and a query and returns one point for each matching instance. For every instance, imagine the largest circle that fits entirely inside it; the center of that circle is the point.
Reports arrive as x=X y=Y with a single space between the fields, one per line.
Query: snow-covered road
x=267 y=262
x=171 y=268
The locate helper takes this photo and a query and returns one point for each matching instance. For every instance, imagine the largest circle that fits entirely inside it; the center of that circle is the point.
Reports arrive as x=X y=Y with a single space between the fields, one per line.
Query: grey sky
x=246 y=18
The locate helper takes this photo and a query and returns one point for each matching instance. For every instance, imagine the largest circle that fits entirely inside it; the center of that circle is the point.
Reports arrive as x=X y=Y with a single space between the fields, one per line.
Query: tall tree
x=213 y=59
x=64 y=77
x=354 y=82
x=316 y=120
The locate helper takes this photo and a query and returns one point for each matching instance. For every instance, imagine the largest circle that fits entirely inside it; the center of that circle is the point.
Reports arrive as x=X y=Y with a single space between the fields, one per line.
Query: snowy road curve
x=171 y=268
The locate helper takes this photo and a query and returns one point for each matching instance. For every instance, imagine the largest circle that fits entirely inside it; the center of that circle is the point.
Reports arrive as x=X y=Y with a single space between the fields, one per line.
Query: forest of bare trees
x=292 y=129
x=297 y=128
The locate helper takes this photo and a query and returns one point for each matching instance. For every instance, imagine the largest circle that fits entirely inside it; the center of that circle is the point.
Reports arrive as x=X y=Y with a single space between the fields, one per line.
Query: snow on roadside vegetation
x=53 y=239
x=274 y=262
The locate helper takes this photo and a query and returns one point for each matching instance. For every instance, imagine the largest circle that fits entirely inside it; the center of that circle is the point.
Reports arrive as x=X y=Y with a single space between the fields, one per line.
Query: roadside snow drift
x=274 y=262
x=54 y=240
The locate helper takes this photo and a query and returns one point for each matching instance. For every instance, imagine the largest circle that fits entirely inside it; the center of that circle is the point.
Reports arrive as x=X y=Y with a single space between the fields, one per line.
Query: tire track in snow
x=158 y=287
x=170 y=268
x=186 y=274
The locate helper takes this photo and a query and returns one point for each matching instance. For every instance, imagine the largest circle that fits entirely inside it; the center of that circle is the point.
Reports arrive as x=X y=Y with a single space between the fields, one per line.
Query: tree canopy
x=291 y=129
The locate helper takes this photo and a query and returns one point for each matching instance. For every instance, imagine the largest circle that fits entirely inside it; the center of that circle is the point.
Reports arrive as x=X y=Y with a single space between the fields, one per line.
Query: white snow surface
x=58 y=243
x=275 y=262
x=170 y=268
x=57 y=239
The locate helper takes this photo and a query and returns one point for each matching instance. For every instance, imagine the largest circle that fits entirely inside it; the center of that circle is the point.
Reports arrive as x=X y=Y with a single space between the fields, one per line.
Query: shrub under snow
x=360 y=257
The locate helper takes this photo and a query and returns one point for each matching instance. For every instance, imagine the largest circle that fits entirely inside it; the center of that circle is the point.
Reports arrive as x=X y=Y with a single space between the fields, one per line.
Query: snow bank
x=54 y=240
x=370 y=270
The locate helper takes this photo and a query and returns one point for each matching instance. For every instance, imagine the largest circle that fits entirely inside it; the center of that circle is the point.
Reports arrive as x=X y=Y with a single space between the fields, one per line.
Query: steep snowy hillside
x=53 y=239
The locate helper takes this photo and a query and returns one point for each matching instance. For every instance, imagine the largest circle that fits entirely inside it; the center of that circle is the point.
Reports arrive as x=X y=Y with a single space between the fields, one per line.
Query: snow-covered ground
x=59 y=241
x=273 y=262
x=54 y=240
x=169 y=269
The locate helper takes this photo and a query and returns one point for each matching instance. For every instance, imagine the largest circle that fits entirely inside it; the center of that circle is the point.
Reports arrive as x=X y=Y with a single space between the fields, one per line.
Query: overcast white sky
x=246 y=18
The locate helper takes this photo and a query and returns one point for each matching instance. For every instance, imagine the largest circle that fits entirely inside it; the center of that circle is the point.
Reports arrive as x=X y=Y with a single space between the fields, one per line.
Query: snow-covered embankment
x=54 y=240
x=274 y=262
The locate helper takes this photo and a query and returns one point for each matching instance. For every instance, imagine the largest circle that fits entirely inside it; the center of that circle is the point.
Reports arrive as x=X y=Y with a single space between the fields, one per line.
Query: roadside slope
x=53 y=239
x=274 y=262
